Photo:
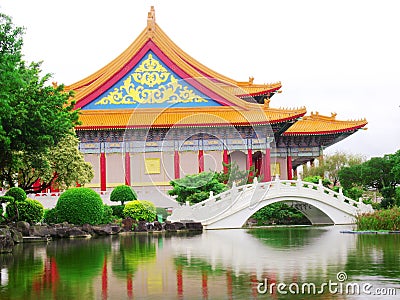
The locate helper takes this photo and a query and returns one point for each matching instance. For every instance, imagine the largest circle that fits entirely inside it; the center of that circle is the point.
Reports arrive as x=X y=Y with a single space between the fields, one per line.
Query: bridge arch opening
x=280 y=214
x=308 y=207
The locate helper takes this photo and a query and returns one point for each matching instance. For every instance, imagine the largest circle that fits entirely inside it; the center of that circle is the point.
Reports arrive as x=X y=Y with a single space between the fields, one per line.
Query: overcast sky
x=338 y=56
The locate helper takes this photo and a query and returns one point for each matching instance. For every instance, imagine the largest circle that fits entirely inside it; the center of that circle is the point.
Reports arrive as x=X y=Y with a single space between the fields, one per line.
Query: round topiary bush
x=80 y=206
x=123 y=193
x=17 y=193
x=140 y=210
x=29 y=210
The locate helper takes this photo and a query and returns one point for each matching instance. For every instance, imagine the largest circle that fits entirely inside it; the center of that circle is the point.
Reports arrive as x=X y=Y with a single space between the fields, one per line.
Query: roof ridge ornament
x=151 y=21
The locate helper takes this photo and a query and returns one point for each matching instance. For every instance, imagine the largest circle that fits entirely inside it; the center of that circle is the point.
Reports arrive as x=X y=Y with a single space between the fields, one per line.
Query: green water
x=220 y=264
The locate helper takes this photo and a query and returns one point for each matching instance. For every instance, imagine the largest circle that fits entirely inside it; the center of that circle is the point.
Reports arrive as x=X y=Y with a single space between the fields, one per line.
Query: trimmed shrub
x=29 y=210
x=123 y=193
x=118 y=210
x=140 y=210
x=80 y=206
x=107 y=215
x=17 y=193
x=50 y=216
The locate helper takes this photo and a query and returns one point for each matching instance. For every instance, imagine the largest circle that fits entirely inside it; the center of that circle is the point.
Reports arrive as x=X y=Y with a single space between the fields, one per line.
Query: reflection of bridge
x=243 y=252
x=232 y=208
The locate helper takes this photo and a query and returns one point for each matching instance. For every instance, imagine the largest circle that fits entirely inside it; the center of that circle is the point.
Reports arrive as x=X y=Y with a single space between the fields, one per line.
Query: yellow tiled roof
x=223 y=116
x=316 y=124
x=239 y=113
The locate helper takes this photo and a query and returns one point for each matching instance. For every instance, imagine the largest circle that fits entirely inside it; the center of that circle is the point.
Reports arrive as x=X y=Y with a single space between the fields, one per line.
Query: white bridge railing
x=249 y=196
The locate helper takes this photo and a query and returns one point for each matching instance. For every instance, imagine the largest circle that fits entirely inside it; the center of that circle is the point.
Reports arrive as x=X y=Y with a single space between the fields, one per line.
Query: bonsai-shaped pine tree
x=123 y=193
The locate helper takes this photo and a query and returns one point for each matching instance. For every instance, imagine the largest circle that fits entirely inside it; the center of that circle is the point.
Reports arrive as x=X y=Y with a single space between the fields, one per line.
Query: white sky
x=338 y=56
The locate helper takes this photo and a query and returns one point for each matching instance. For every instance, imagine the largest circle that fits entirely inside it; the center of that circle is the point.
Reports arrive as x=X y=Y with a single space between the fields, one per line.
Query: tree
x=123 y=193
x=196 y=188
x=234 y=174
x=34 y=116
x=331 y=164
x=379 y=173
x=350 y=177
x=62 y=166
x=315 y=179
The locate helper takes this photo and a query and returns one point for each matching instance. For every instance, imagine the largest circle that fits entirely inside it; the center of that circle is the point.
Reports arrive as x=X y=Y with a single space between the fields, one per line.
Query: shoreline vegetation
x=380 y=220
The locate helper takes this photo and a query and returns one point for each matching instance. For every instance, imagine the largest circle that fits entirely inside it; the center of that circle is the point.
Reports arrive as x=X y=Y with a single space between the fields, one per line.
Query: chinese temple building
x=154 y=114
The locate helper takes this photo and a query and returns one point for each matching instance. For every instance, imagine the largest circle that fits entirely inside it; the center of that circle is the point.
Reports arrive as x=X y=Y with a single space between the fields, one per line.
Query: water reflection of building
x=226 y=264
x=223 y=263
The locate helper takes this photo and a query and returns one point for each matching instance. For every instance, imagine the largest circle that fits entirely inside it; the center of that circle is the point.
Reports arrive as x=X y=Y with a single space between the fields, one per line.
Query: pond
x=263 y=263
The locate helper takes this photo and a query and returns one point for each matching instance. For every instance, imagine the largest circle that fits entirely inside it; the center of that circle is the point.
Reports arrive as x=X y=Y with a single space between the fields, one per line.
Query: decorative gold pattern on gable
x=151 y=83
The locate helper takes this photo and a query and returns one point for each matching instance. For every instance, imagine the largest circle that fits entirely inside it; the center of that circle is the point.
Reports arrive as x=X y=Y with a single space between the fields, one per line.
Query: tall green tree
x=330 y=165
x=378 y=173
x=34 y=115
x=62 y=166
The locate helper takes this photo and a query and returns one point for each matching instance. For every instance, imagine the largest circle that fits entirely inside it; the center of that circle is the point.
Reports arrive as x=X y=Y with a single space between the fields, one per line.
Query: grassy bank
x=387 y=219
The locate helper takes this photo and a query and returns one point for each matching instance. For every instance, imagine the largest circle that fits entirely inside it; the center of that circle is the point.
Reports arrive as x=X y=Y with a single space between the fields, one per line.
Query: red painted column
x=201 y=161
x=249 y=161
x=54 y=275
x=225 y=160
x=267 y=165
x=204 y=284
x=229 y=284
x=103 y=173
x=127 y=169
x=289 y=167
x=104 y=280
x=129 y=285
x=179 y=281
x=254 y=284
x=176 y=165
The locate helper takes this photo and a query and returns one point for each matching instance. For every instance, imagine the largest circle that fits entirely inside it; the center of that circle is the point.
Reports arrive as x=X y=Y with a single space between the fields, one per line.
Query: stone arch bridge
x=232 y=208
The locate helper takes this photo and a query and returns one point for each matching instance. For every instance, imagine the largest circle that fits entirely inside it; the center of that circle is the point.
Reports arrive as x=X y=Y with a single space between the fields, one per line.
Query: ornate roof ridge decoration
x=223 y=85
x=151 y=21
x=317 y=124
x=332 y=117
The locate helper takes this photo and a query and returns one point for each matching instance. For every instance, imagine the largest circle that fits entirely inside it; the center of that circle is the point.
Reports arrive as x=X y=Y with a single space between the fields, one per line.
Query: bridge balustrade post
x=278 y=182
x=255 y=181
x=299 y=183
x=341 y=198
x=234 y=192
x=320 y=186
